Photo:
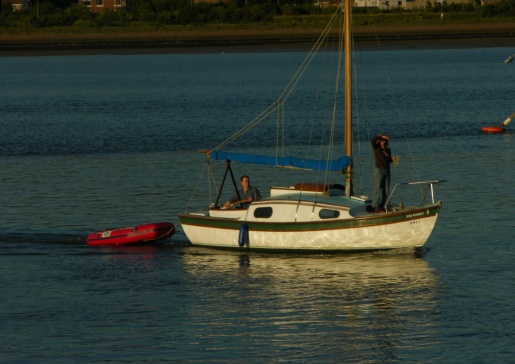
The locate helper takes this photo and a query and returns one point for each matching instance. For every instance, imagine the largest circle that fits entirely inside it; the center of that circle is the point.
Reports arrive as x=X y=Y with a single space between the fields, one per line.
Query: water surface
x=94 y=142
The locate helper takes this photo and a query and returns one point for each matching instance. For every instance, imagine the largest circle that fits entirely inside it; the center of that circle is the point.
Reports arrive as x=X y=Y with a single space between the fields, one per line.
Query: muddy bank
x=184 y=41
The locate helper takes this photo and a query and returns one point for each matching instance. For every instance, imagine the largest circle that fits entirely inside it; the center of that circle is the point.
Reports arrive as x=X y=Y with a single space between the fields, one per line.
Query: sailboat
x=313 y=217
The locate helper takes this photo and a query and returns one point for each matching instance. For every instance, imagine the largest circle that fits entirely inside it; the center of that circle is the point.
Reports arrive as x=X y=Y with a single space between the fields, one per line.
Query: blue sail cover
x=339 y=164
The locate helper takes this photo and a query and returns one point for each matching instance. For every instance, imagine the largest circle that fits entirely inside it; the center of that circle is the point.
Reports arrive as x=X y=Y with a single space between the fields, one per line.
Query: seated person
x=247 y=194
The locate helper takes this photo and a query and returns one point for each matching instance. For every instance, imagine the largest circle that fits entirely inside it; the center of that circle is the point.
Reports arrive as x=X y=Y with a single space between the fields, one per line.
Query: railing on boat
x=430 y=189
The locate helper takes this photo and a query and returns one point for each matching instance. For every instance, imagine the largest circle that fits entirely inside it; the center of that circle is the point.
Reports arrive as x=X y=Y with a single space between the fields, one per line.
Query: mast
x=348 y=95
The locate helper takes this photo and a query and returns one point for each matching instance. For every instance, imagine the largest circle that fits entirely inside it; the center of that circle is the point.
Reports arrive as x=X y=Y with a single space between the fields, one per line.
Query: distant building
x=389 y=4
x=98 y=6
x=17 y=4
x=407 y=4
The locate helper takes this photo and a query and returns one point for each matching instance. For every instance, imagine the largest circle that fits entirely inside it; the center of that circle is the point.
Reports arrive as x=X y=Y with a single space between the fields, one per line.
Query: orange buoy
x=493 y=129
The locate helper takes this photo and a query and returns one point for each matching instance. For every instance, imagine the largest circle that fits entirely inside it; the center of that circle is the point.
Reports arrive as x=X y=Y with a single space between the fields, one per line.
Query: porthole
x=263 y=212
x=329 y=214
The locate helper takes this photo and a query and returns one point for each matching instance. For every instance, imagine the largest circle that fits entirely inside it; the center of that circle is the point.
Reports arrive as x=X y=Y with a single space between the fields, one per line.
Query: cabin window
x=263 y=212
x=329 y=214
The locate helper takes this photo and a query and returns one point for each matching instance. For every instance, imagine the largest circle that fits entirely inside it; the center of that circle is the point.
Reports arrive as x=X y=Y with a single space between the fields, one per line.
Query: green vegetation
x=163 y=14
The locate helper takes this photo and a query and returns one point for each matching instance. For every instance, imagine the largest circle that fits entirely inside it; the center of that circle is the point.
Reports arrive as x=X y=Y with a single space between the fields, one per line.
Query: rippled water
x=92 y=142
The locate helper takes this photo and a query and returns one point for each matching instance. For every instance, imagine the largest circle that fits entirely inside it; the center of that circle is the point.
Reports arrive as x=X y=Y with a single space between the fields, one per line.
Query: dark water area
x=171 y=102
x=93 y=142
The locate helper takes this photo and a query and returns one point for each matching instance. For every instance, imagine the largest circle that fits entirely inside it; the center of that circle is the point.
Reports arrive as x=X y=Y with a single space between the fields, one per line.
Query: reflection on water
x=335 y=306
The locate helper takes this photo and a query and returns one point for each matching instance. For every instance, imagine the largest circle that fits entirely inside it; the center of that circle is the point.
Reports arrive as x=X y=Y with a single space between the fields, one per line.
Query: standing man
x=383 y=159
x=245 y=195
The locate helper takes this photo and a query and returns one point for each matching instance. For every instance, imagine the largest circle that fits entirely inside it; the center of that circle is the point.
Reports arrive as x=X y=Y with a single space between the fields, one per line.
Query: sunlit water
x=91 y=142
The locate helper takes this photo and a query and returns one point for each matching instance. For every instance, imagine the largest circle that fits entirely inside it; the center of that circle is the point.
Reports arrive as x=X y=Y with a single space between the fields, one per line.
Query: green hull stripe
x=371 y=220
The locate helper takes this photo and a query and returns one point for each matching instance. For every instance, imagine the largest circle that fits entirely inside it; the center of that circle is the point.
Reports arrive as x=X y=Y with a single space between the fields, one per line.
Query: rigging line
x=287 y=91
x=279 y=132
x=314 y=51
x=326 y=66
x=275 y=105
x=359 y=165
x=336 y=67
x=253 y=123
x=211 y=177
x=398 y=164
x=341 y=41
x=194 y=193
x=321 y=82
x=283 y=129
x=397 y=108
x=307 y=61
x=358 y=116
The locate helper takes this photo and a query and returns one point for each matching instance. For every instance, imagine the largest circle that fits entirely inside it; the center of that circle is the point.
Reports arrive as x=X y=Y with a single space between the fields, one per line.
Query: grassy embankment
x=283 y=29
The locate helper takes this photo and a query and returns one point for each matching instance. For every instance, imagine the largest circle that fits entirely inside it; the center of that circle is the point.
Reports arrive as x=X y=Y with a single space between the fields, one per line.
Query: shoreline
x=248 y=40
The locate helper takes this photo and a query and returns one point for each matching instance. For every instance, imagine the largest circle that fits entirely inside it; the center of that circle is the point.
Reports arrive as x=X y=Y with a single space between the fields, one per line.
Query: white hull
x=356 y=239
x=409 y=228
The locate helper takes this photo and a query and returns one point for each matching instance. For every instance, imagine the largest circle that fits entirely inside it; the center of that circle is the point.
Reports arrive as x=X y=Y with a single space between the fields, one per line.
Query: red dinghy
x=132 y=235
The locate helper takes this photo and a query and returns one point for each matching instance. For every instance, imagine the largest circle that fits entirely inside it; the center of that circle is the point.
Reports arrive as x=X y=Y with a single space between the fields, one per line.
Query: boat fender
x=243 y=238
